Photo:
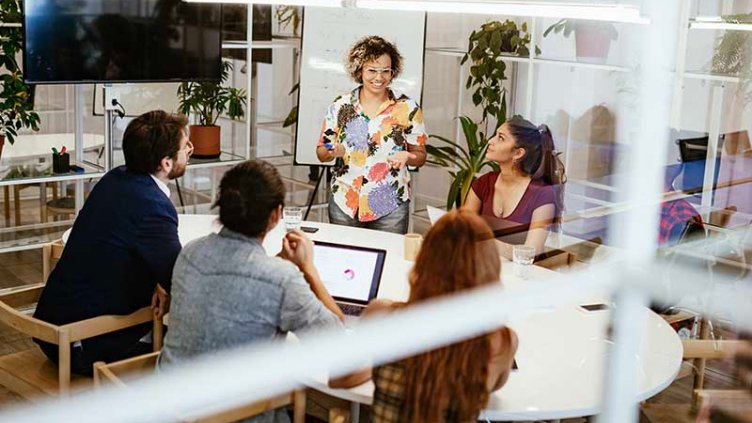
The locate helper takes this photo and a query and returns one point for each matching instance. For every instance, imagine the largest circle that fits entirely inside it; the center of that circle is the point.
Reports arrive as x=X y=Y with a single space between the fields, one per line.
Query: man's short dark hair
x=248 y=193
x=151 y=137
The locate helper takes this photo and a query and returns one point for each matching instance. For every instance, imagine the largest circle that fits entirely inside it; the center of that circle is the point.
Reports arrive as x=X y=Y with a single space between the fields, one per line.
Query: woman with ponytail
x=524 y=199
x=453 y=383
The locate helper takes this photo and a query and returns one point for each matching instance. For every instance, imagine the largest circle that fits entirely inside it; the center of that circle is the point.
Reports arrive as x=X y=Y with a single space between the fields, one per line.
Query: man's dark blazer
x=124 y=241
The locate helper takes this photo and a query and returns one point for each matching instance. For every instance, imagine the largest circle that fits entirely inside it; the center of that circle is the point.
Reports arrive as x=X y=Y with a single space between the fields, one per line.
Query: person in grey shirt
x=226 y=290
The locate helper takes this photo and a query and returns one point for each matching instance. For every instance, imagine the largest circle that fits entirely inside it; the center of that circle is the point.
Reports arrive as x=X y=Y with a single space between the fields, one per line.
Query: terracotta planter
x=206 y=141
x=592 y=43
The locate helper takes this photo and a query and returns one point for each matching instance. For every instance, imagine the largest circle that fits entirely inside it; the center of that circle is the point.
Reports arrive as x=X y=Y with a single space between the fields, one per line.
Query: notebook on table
x=351 y=274
x=434 y=213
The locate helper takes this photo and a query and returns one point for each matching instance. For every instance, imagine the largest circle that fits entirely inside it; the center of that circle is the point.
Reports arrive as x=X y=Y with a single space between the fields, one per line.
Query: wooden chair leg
x=299 y=406
x=699 y=363
x=17 y=204
x=157 y=335
x=97 y=382
x=64 y=363
x=339 y=415
x=6 y=204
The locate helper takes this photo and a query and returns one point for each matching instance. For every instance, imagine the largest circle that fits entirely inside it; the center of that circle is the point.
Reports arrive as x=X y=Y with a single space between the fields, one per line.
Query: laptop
x=351 y=274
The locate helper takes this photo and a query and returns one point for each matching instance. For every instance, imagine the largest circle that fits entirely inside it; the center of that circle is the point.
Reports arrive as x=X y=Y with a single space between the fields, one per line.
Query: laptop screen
x=350 y=273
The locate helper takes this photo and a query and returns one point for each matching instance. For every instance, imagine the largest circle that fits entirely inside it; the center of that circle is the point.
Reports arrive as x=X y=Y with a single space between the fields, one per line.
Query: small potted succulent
x=16 y=105
x=207 y=101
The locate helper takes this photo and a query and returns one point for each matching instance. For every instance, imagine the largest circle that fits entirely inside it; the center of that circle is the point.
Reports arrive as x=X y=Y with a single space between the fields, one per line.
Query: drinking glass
x=522 y=256
x=293 y=217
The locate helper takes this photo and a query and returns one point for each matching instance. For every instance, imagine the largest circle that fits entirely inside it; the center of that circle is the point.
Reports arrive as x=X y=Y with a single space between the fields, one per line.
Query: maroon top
x=513 y=228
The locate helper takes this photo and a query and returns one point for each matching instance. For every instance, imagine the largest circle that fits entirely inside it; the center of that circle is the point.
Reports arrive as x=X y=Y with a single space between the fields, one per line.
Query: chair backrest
x=555 y=259
x=120 y=372
x=50 y=252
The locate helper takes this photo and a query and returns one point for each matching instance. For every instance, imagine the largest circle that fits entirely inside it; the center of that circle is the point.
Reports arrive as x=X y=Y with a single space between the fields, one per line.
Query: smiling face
x=377 y=75
x=502 y=147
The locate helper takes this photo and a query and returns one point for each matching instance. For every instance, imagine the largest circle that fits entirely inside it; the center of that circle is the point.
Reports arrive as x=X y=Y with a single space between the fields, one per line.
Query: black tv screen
x=84 y=41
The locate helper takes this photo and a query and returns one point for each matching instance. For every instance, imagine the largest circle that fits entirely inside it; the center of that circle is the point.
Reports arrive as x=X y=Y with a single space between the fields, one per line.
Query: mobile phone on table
x=594 y=307
x=309 y=229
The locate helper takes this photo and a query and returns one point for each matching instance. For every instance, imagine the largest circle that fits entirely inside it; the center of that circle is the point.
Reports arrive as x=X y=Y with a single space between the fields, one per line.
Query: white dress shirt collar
x=162 y=186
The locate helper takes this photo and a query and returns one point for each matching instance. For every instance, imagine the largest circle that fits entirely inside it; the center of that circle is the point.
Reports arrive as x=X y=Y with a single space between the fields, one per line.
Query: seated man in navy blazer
x=123 y=245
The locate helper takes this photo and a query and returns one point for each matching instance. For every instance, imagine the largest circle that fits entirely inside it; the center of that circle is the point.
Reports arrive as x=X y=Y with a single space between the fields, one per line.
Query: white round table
x=562 y=350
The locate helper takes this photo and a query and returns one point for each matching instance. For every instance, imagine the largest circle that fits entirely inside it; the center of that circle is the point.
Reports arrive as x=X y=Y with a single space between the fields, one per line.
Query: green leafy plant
x=487 y=48
x=16 y=107
x=733 y=55
x=288 y=15
x=468 y=162
x=208 y=100
x=567 y=26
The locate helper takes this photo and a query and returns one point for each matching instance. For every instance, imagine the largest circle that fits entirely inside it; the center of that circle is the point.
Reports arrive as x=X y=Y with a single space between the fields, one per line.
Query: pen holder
x=61 y=163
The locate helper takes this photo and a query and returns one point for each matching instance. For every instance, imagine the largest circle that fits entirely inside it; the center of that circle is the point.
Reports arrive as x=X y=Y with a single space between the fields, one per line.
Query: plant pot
x=592 y=43
x=206 y=141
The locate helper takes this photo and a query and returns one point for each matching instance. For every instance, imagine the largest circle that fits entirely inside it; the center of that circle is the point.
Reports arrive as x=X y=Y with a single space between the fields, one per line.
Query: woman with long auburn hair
x=452 y=383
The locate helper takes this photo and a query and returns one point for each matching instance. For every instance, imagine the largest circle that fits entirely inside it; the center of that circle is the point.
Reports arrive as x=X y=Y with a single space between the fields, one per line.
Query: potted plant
x=592 y=39
x=732 y=55
x=16 y=105
x=486 y=49
x=207 y=101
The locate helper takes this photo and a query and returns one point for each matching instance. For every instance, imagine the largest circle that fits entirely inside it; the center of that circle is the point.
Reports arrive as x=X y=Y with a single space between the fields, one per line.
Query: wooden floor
x=20 y=268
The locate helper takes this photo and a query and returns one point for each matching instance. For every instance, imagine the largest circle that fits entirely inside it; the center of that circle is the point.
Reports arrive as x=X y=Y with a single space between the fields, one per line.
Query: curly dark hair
x=371 y=48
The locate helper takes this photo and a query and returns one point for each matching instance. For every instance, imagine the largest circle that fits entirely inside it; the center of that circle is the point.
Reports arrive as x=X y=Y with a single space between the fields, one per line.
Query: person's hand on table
x=297 y=248
x=400 y=158
x=160 y=302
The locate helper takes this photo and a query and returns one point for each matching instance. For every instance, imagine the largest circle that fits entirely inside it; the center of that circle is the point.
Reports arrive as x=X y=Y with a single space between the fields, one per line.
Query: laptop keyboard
x=351 y=309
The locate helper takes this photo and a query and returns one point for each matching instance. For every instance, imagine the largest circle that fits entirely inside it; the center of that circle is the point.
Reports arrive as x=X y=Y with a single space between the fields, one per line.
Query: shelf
x=242 y=44
x=718 y=23
x=458 y=52
x=225 y=159
x=27 y=173
x=711 y=77
x=587 y=65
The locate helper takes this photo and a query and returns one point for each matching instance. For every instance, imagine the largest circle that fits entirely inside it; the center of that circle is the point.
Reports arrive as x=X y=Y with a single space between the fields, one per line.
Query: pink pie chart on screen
x=349 y=274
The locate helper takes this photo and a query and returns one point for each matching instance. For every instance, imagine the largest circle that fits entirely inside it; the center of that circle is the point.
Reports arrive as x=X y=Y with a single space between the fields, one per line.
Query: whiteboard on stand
x=328 y=34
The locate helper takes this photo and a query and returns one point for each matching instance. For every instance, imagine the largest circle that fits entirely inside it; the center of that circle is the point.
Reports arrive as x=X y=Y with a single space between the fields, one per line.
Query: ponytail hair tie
x=542 y=128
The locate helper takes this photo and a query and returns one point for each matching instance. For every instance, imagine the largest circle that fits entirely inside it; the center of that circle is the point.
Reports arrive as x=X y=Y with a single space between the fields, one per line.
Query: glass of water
x=293 y=217
x=522 y=256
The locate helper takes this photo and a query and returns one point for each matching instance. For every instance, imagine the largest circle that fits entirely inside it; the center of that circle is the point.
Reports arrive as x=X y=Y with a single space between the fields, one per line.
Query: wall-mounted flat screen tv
x=84 y=41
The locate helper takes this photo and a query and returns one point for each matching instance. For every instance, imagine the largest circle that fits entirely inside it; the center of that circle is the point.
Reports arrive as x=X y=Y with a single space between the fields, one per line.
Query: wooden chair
x=695 y=350
x=711 y=350
x=556 y=259
x=118 y=373
x=29 y=373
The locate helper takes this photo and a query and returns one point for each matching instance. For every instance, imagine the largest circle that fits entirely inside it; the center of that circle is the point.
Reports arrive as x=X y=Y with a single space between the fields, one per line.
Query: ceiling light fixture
x=605 y=12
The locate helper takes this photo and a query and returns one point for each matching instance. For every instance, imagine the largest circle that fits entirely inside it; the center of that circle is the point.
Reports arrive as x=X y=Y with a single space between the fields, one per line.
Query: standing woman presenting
x=374 y=135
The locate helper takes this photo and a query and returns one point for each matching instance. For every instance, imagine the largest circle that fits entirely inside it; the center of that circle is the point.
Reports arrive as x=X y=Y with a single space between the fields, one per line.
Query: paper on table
x=434 y=213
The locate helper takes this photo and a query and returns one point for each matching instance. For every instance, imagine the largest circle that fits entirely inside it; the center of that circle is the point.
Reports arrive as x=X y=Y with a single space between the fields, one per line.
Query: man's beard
x=177 y=171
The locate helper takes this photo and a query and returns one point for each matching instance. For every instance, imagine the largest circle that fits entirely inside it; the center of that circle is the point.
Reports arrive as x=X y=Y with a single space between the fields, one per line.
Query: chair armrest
x=710 y=349
x=21 y=297
x=100 y=325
